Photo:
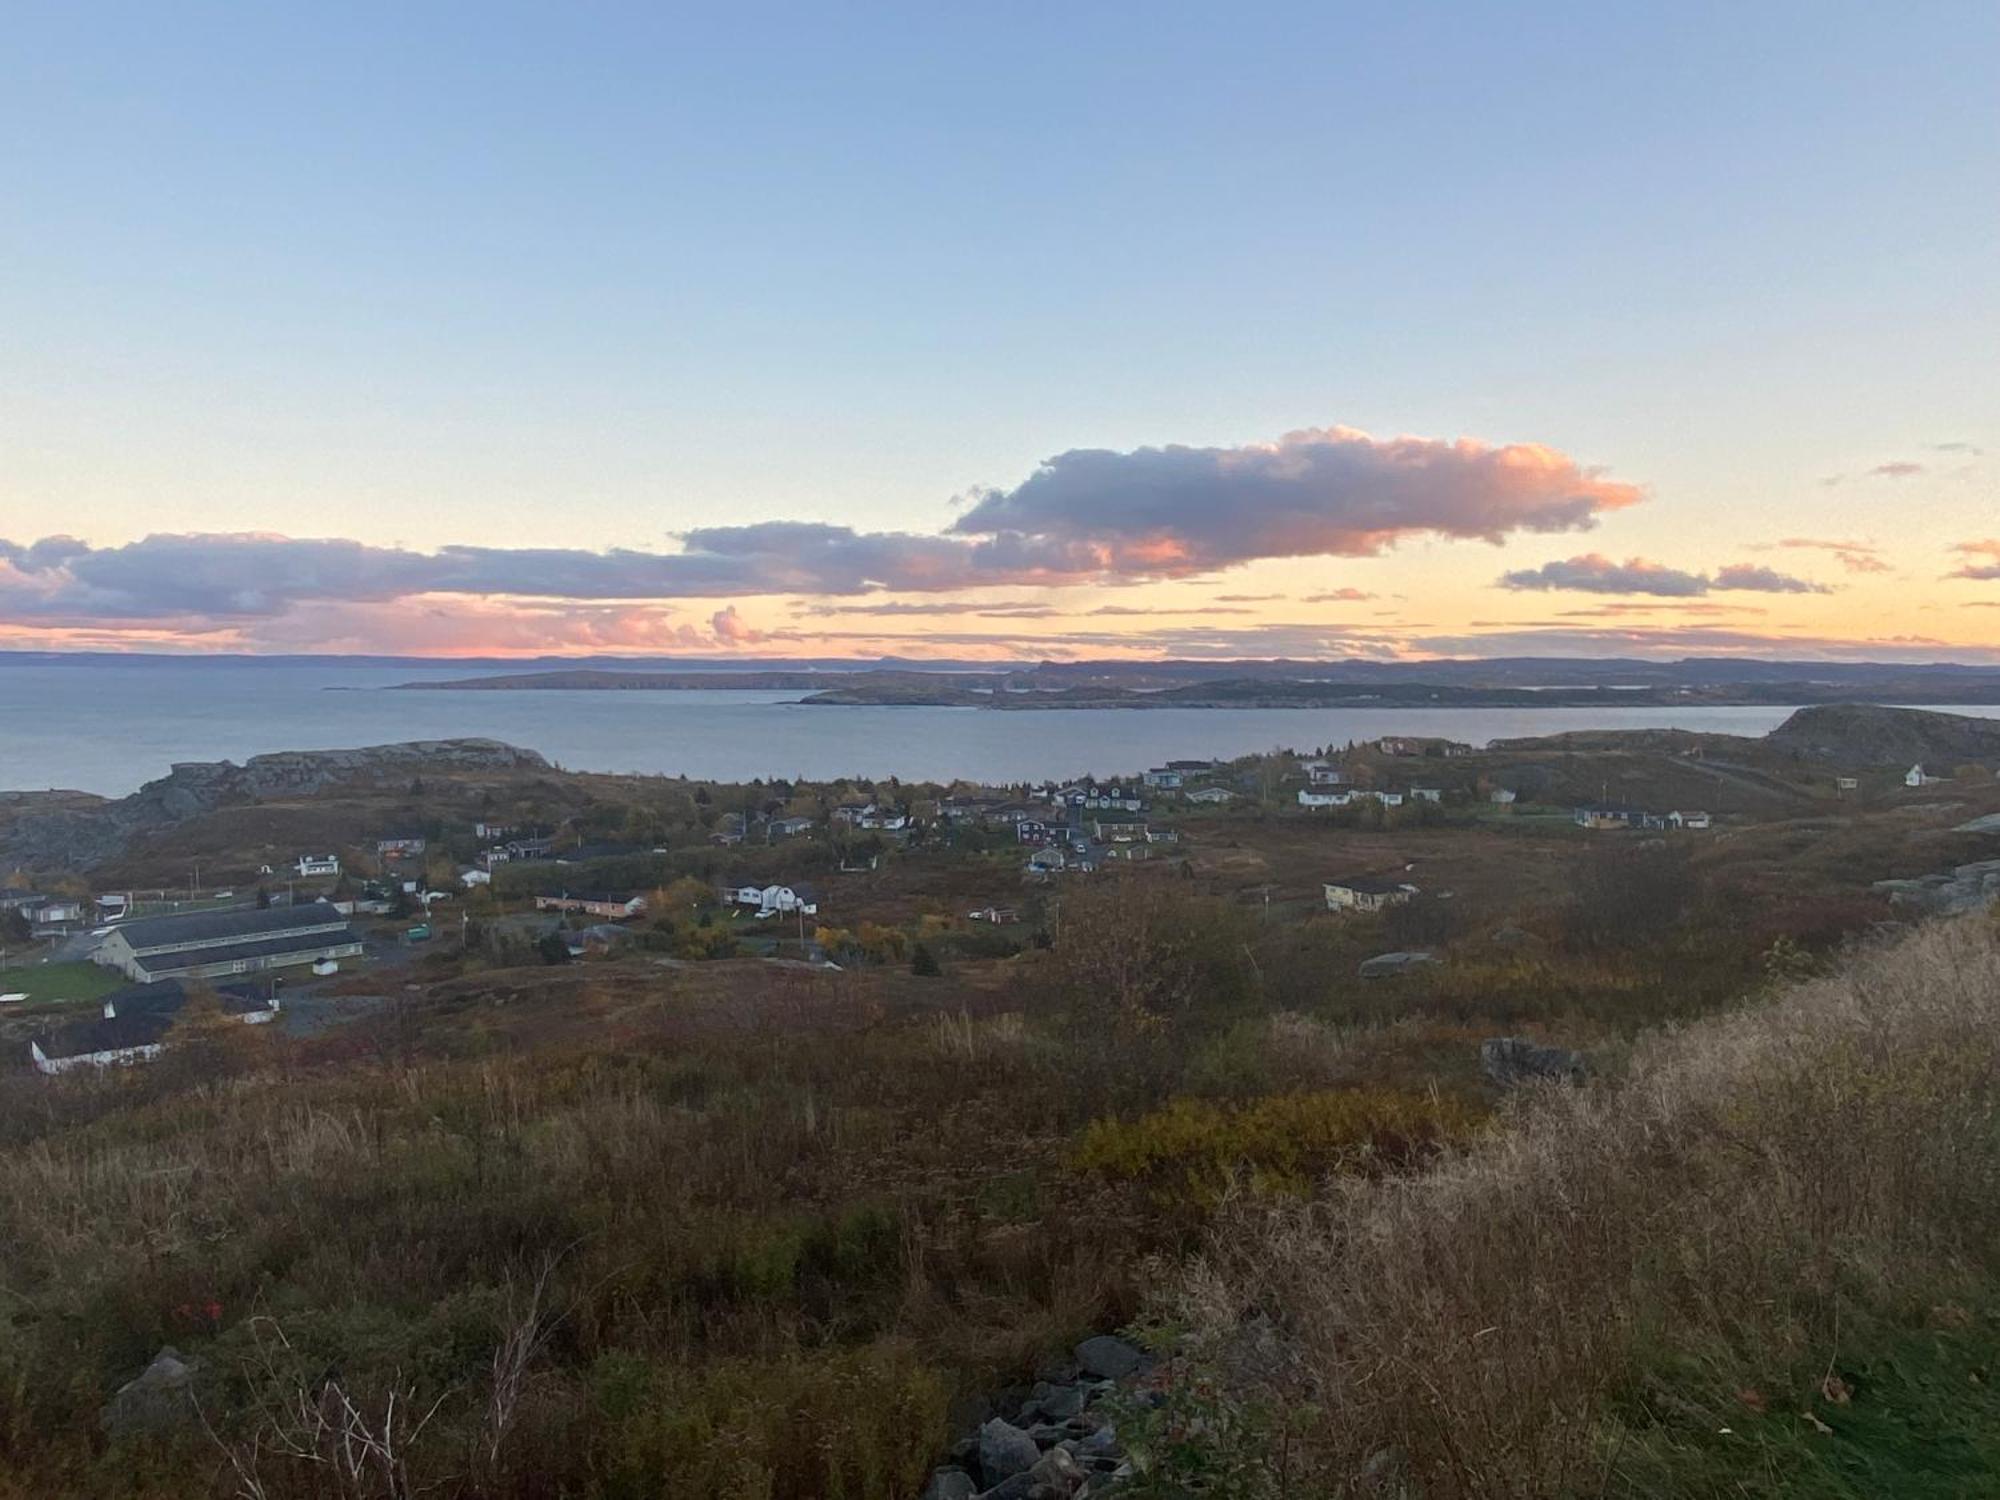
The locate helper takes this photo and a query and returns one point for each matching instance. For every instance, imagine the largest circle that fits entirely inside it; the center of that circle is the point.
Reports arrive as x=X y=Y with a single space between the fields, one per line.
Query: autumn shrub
x=1196 y=1151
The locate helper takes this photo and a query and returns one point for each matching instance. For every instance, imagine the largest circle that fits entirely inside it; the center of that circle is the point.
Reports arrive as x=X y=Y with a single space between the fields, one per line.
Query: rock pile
x=1054 y=1441
x=1963 y=888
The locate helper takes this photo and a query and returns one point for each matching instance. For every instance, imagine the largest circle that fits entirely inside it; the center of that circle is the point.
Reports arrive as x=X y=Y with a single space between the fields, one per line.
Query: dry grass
x=1758 y=1182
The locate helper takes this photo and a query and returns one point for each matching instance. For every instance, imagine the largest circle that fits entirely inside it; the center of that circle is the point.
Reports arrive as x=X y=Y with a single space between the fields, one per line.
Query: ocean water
x=107 y=728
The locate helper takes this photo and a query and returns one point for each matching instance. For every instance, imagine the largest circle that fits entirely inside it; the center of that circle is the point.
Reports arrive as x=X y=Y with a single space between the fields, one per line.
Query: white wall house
x=318 y=864
x=771 y=900
x=1310 y=798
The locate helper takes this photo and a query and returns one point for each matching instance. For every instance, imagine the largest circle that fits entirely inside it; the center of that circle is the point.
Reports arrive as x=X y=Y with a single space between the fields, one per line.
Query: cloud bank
x=1085 y=516
x=1595 y=574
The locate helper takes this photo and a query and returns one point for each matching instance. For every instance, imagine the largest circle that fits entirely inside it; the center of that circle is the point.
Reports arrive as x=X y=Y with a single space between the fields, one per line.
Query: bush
x=1194 y=1151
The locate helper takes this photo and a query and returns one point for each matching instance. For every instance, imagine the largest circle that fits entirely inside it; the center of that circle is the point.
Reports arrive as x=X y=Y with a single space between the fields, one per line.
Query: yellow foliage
x=1194 y=1149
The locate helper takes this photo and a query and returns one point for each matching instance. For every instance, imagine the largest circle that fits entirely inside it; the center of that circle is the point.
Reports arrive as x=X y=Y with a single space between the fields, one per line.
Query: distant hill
x=79 y=834
x=1867 y=734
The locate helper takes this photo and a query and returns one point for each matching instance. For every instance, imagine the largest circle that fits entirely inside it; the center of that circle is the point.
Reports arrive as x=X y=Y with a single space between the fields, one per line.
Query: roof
x=223 y=953
x=618 y=898
x=81 y=1038
x=1369 y=885
x=167 y=996
x=224 y=926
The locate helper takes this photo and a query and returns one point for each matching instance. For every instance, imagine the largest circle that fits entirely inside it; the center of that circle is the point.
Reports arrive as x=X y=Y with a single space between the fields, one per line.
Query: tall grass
x=1559 y=1308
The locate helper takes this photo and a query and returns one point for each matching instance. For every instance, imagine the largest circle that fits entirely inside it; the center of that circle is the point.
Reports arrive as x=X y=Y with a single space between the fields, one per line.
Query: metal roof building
x=213 y=944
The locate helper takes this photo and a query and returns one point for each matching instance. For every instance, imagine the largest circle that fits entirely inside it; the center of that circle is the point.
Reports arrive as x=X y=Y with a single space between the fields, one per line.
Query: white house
x=1163 y=779
x=1387 y=799
x=1212 y=795
x=770 y=900
x=1689 y=820
x=471 y=878
x=318 y=864
x=1324 y=773
x=1366 y=893
x=1916 y=776
x=132 y=1027
x=1502 y=796
x=1310 y=798
x=1427 y=793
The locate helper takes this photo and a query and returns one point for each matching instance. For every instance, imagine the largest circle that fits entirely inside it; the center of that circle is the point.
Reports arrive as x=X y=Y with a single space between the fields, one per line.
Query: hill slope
x=1868 y=734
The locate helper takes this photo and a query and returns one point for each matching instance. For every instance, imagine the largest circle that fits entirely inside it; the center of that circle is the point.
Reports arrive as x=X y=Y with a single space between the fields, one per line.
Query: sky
x=1038 y=331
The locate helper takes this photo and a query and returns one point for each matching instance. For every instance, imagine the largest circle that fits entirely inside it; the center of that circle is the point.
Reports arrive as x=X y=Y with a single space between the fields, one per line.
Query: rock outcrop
x=1970 y=887
x=160 y=1399
x=81 y=838
x=1054 y=1441
x=1868 y=734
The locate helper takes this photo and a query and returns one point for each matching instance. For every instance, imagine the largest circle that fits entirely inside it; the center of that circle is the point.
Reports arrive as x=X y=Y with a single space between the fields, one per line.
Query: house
x=1310 y=798
x=527 y=849
x=872 y=816
x=1211 y=796
x=1162 y=779
x=770 y=900
x=1324 y=773
x=1426 y=794
x=1689 y=820
x=1917 y=776
x=53 y=914
x=994 y=914
x=208 y=944
x=1846 y=784
x=405 y=847
x=789 y=828
x=471 y=878
x=1400 y=746
x=1387 y=799
x=1119 y=828
x=493 y=831
x=611 y=905
x=1051 y=859
x=1609 y=815
x=1007 y=814
x=1366 y=893
x=14 y=897
x=111 y=906
x=318 y=864
x=1032 y=831
x=1502 y=796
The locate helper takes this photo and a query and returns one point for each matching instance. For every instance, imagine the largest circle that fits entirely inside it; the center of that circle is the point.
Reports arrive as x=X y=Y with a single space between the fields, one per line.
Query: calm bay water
x=107 y=728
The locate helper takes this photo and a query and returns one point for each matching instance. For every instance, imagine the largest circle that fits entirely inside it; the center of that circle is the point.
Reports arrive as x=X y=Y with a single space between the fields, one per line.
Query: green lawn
x=59 y=984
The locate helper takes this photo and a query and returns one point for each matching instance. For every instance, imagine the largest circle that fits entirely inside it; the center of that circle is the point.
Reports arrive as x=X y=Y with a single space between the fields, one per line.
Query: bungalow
x=1689 y=820
x=528 y=849
x=770 y=900
x=1324 y=773
x=113 y=905
x=789 y=828
x=1163 y=779
x=494 y=831
x=1051 y=859
x=1917 y=776
x=1119 y=828
x=1032 y=831
x=1609 y=815
x=1394 y=746
x=473 y=877
x=318 y=864
x=1310 y=798
x=1846 y=784
x=1502 y=796
x=1387 y=799
x=994 y=914
x=14 y=897
x=608 y=904
x=1366 y=893
x=402 y=847
x=1211 y=796
x=1427 y=794
x=873 y=816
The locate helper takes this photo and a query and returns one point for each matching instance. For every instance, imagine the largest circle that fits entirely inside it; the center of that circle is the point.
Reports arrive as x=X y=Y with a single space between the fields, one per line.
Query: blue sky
x=591 y=276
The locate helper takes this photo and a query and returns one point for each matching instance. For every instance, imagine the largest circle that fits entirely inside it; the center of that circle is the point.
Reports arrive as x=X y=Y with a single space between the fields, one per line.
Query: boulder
x=1109 y=1358
x=1005 y=1450
x=1014 y=1487
x=1388 y=965
x=160 y=1399
x=950 y=1484
x=1510 y=1061
x=1058 y=1471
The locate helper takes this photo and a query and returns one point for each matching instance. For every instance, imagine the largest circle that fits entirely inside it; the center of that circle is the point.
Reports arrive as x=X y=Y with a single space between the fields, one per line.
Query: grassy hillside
x=1764 y=1262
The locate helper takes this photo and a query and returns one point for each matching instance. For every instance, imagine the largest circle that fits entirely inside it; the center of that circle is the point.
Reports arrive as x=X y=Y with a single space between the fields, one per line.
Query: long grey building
x=210 y=944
